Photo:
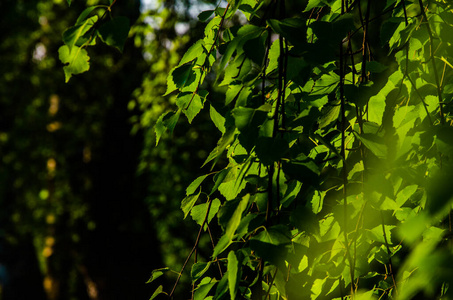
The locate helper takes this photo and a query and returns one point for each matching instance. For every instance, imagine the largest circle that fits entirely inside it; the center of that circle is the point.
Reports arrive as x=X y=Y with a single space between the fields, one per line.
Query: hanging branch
x=433 y=61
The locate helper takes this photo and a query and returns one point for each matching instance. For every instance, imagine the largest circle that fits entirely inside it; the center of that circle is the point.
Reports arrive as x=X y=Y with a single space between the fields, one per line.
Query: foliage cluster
x=330 y=177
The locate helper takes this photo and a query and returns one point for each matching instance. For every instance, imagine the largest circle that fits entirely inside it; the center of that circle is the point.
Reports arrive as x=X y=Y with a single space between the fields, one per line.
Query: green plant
x=331 y=175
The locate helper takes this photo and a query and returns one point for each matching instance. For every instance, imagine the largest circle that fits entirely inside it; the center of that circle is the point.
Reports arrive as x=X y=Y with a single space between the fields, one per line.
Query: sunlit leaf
x=75 y=60
x=313 y=3
x=195 y=184
x=188 y=202
x=82 y=17
x=217 y=119
x=157 y=292
x=72 y=35
x=157 y=273
x=190 y=104
x=167 y=121
x=179 y=77
x=233 y=272
x=198 y=212
x=198 y=269
x=203 y=289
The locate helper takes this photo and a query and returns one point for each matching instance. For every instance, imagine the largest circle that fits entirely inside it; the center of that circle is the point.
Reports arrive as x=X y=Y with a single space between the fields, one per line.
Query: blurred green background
x=88 y=206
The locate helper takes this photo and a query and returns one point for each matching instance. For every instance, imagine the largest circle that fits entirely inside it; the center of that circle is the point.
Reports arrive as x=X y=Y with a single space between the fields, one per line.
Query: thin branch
x=389 y=253
x=436 y=75
x=193 y=249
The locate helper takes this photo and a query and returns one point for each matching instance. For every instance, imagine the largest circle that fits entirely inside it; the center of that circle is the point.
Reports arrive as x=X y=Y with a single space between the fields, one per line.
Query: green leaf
x=179 y=77
x=374 y=143
x=188 y=202
x=248 y=117
x=276 y=235
x=234 y=183
x=190 y=104
x=157 y=292
x=219 y=178
x=166 y=121
x=291 y=192
x=389 y=27
x=157 y=273
x=195 y=184
x=377 y=234
x=317 y=287
x=412 y=229
x=248 y=121
x=222 y=287
x=233 y=272
x=402 y=35
x=76 y=60
x=330 y=114
x=314 y=3
x=203 y=289
x=271 y=245
x=193 y=53
x=221 y=245
x=233 y=224
x=210 y=32
x=82 y=17
x=205 y=15
x=217 y=119
x=273 y=56
x=236 y=70
x=72 y=35
x=405 y=194
x=245 y=33
x=362 y=295
x=198 y=269
x=292 y=29
x=226 y=140
x=69 y=2
x=326 y=84
x=198 y=212
x=114 y=33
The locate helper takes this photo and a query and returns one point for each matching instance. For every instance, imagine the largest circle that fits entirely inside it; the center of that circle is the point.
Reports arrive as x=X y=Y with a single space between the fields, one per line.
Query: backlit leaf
x=72 y=35
x=179 y=77
x=157 y=292
x=188 y=202
x=198 y=212
x=195 y=184
x=198 y=269
x=233 y=272
x=75 y=60
x=157 y=273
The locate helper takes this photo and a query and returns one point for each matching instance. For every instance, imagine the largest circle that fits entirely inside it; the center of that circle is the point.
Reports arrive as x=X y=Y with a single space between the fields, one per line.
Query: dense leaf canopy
x=323 y=130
